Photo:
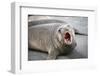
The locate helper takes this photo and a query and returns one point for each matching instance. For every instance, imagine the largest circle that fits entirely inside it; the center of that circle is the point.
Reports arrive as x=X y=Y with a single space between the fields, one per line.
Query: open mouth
x=67 y=38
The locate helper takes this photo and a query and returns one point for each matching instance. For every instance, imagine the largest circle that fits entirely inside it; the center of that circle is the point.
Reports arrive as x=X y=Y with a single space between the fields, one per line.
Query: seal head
x=65 y=34
x=65 y=39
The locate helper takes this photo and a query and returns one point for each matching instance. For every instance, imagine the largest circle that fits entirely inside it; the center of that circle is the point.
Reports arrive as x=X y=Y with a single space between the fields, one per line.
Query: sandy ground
x=81 y=51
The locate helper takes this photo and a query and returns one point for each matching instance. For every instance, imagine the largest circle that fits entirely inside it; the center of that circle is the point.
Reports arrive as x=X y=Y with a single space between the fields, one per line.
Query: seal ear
x=79 y=33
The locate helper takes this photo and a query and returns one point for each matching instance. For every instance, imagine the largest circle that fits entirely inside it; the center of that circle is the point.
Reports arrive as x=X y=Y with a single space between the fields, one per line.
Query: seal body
x=53 y=38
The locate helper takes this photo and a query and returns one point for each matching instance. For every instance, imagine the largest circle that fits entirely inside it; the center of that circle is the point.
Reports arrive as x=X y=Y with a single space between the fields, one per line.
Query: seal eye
x=59 y=30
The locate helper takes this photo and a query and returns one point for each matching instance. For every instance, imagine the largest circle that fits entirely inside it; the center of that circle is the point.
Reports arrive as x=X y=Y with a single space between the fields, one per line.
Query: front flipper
x=79 y=33
x=52 y=55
